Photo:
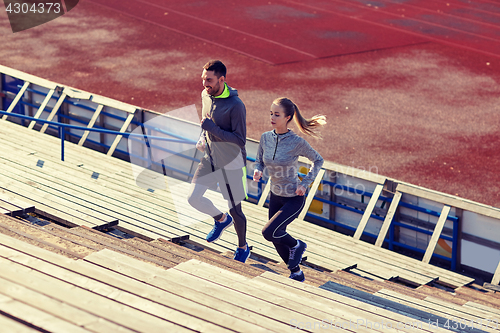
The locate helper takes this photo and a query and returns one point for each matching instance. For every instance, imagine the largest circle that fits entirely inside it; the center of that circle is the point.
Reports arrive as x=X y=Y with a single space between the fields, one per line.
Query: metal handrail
x=62 y=130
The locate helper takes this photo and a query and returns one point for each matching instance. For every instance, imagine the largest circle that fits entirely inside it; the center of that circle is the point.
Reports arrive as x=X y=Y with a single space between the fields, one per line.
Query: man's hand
x=208 y=124
x=200 y=145
x=301 y=190
x=257 y=175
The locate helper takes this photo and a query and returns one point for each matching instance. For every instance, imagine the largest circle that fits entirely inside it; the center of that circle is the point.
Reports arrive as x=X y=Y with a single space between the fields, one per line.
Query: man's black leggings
x=282 y=211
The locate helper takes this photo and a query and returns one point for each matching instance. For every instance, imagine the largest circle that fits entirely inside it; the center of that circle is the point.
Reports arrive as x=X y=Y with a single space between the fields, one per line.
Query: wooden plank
x=439 y=308
x=168 y=311
x=15 y=201
x=450 y=200
x=4 y=211
x=353 y=172
x=16 y=99
x=71 y=314
x=42 y=107
x=39 y=197
x=496 y=276
x=213 y=281
x=92 y=121
x=312 y=193
x=485 y=308
x=53 y=112
x=13 y=210
x=113 y=103
x=360 y=309
x=39 y=191
x=172 y=293
x=466 y=311
x=17 y=206
x=11 y=325
x=77 y=94
x=27 y=77
x=89 y=295
x=368 y=211
x=303 y=302
x=54 y=214
x=490 y=286
x=42 y=241
x=265 y=194
x=345 y=309
x=119 y=137
x=36 y=317
x=436 y=234
x=388 y=219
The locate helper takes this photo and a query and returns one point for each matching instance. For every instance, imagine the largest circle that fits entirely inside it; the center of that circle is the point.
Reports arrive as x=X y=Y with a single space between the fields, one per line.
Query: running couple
x=223 y=141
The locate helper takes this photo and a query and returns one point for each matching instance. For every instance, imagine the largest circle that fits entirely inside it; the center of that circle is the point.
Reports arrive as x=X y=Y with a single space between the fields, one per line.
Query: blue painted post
x=454 y=248
x=391 y=236
x=63 y=134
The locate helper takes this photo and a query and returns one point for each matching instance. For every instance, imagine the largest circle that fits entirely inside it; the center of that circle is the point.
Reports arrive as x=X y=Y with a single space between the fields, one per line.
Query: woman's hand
x=257 y=175
x=301 y=190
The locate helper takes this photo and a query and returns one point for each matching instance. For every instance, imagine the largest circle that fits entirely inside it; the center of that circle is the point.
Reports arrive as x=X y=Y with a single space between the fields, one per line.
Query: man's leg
x=202 y=204
x=205 y=178
x=240 y=223
x=233 y=187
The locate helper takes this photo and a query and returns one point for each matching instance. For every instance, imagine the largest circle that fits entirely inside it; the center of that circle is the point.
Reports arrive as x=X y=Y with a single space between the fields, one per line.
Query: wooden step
x=37 y=318
x=14 y=325
x=98 y=298
x=14 y=206
x=442 y=309
x=359 y=309
x=230 y=315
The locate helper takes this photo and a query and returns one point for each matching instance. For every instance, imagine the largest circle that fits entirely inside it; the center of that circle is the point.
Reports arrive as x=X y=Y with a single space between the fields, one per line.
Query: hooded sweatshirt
x=279 y=154
x=226 y=131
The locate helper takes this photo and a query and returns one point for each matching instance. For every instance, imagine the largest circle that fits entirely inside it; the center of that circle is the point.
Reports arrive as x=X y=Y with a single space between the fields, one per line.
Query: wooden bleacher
x=106 y=284
x=98 y=191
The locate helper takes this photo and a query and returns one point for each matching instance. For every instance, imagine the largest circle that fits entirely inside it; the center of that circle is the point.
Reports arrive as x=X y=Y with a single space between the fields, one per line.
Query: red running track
x=287 y=31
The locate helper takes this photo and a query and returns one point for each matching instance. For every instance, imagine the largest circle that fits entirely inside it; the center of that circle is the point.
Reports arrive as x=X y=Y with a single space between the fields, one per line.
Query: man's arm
x=238 y=127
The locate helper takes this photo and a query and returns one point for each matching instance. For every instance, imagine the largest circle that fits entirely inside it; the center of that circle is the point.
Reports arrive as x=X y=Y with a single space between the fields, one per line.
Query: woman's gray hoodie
x=278 y=156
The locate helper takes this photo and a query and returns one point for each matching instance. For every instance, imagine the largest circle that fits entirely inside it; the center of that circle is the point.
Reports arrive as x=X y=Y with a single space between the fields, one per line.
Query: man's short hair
x=217 y=66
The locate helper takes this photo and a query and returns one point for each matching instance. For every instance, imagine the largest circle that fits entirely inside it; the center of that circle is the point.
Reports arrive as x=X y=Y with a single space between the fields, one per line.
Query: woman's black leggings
x=282 y=211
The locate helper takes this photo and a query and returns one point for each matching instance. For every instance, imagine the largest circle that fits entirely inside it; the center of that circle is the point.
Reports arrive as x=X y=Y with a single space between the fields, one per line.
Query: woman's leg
x=282 y=211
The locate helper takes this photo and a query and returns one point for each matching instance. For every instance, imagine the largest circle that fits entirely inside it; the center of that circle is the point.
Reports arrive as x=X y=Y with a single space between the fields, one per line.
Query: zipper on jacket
x=276 y=148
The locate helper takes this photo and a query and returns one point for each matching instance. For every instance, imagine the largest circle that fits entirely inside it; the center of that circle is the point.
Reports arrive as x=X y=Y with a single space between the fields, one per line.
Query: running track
x=287 y=31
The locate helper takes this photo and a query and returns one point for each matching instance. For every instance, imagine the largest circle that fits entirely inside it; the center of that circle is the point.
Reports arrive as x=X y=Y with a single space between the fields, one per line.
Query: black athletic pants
x=282 y=211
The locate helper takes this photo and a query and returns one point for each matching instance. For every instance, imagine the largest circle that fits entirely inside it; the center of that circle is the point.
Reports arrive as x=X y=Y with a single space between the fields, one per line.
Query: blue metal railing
x=62 y=130
x=391 y=240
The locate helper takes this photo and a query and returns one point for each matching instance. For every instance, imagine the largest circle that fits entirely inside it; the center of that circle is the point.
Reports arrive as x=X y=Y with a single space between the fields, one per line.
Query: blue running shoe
x=296 y=253
x=298 y=276
x=219 y=228
x=242 y=255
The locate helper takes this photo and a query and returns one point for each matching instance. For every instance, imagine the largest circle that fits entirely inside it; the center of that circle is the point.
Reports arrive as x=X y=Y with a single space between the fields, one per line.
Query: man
x=223 y=141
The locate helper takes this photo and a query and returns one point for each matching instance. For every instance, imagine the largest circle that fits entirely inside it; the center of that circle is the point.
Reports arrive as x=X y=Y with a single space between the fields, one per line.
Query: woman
x=279 y=151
